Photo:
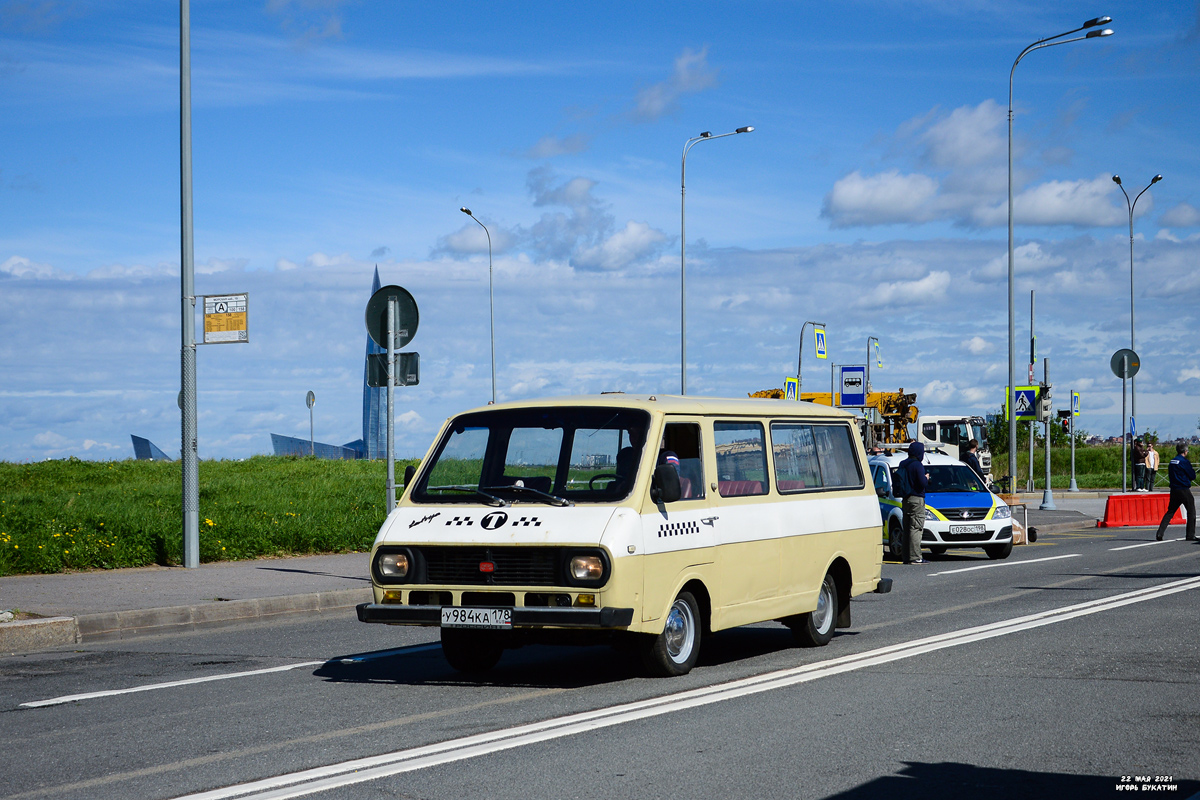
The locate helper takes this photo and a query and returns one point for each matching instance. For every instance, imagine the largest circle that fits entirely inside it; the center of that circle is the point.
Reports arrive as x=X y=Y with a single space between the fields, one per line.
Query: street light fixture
x=705 y=136
x=1049 y=41
x=491 y=297
x=1131 y=206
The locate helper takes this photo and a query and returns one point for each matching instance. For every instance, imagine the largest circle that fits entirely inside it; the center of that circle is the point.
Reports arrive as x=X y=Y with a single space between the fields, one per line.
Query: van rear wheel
x=674 y=651
x=815 y=628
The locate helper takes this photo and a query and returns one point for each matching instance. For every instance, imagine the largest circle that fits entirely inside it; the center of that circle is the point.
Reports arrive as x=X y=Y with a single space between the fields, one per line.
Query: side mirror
x=409 y=471
x=664 y=486
x=881 y=492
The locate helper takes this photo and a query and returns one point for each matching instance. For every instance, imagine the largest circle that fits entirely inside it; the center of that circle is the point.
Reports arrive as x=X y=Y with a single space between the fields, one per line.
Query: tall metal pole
x=688 y=145
x=390 y=487
x=1048 y=494
x=1030 y=485
x=1124 y=438
x=1132 y=345
x=800 y=353
x=491 y=297
x=1012 y=302
x=1074 y=487
x=188 y=451
x=869 y=340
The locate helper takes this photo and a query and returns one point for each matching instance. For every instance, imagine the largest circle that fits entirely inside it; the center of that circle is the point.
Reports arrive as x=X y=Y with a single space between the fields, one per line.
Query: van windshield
x=536 y=455
x=953 y=478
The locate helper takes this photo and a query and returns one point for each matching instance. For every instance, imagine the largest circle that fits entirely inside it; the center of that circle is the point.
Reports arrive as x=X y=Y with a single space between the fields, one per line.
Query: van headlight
x=587 y=568
x=1002 y=512
x=393 y=566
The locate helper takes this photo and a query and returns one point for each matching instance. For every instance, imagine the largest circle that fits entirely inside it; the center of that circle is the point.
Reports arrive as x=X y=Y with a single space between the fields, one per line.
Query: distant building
x=291 y=446
x=146 y=450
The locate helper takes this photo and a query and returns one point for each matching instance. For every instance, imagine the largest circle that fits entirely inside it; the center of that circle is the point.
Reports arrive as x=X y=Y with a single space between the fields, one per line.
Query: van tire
x=895 y=540
x=815 y=628
x=472 y=652
x=674 y=651
x=998 y=551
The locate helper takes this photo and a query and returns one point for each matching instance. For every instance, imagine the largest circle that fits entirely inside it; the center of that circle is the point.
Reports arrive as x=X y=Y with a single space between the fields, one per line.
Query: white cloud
x=1082 y=203
x=1028 y=259
x=50 y=439
x=691 y=74
x=1184 y=215
x=894 y=294
x=977 y=346
x=19 y=267
x=881 y=199
x=967 y=137
x=634 y=242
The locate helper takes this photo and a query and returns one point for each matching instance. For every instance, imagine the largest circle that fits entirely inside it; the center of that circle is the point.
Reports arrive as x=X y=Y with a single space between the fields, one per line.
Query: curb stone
x=39 y=634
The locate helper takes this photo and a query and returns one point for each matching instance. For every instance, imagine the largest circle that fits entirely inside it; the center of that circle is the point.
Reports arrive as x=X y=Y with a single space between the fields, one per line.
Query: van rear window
x=814 y=457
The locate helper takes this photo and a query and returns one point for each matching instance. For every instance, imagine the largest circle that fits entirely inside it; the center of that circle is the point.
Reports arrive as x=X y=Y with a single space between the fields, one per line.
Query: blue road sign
x=854 y=386
x=1075 y=404
x=819 y=333
x=1025 y=403
x=790 y=387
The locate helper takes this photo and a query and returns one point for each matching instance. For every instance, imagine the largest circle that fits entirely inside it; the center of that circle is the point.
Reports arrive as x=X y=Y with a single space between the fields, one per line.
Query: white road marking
x=1005 y=564
x=71 y=698
x=360 y=770
x=1144 y=544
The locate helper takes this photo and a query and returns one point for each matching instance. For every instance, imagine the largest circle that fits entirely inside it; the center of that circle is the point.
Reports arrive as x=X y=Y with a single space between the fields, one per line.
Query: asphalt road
x=1068 y=670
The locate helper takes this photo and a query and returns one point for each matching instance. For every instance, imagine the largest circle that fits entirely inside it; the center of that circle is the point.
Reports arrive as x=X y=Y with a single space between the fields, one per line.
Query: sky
x=334 y=136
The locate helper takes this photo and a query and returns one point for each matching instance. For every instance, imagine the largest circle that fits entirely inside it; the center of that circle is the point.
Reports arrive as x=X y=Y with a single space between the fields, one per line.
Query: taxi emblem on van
x=494 y=520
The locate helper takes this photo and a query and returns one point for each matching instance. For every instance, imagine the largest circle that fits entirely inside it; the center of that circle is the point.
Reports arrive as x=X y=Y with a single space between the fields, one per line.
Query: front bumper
x=938 y=534
x=521 y=617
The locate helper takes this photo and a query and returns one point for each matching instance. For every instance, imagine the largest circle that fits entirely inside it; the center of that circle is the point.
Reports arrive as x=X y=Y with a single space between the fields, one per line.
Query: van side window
x=795 y=449
x=881 y=481
x=741 y=458
x=837 y=456
x=814 y=457
x=683 y=439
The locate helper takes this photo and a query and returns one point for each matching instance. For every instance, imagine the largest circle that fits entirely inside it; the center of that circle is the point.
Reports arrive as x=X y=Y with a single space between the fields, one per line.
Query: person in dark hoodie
x=914 y=481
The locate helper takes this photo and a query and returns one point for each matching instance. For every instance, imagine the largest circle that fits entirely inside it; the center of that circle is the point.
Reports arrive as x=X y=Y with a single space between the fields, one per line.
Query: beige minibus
x=642 y=521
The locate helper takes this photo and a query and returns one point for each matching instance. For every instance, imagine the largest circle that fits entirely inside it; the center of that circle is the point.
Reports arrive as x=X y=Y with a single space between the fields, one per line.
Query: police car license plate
x=476 y=617
x=956 y=529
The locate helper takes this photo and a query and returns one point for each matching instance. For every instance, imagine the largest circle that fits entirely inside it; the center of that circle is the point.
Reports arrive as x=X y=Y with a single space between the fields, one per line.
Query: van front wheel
x=674 y=651
x=815 y=628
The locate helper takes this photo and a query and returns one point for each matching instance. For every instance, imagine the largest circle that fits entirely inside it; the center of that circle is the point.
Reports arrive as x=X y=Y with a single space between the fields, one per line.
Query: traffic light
x=1066 y=423
x=1064 y=417
x=1045 y=407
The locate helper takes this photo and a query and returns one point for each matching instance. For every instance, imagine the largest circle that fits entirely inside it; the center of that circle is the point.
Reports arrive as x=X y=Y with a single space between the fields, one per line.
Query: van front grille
x=511 y=566
x=964 y=514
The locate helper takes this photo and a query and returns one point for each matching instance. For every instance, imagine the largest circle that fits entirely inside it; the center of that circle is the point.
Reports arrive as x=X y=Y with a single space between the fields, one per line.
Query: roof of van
x=934 y=458
x=681 y=404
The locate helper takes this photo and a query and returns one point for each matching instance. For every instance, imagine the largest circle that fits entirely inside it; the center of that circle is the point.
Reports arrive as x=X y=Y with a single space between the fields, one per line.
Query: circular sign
x=1125 y=363
x=493 y=520
x=311 y=400
x=406 y=316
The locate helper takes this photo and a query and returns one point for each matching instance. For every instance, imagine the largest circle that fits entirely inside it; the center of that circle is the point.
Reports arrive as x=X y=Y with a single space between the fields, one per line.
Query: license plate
x=968 y=529
x=476 y=617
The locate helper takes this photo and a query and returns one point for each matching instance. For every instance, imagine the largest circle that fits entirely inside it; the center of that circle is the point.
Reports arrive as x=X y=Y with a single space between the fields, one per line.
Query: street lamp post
x=1131 y=206
x=1049 y=41
x=491 y=297
x=800 y=353
x=707 y=135
x=876 y=341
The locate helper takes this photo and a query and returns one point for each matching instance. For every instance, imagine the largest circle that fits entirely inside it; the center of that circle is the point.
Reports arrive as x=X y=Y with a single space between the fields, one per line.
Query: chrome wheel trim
x=822 y=617
x=679 y=635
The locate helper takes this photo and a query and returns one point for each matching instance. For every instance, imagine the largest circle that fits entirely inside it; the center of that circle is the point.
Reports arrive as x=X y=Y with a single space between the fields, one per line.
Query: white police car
x=960 y=511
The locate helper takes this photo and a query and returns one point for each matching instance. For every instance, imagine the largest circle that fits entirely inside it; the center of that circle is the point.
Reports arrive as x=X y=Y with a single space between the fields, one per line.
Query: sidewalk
x=120 y=603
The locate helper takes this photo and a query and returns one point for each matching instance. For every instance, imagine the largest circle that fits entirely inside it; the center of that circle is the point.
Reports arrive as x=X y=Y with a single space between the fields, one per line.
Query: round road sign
x=1125 y=363
x=310 y=400
x=406 y=316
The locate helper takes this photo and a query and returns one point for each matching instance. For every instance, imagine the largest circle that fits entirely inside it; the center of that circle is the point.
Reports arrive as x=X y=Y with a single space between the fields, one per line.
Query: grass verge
x=77 y=515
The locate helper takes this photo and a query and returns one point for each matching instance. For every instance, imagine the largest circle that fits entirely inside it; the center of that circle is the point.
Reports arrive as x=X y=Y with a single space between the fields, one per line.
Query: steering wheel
x=610 y=475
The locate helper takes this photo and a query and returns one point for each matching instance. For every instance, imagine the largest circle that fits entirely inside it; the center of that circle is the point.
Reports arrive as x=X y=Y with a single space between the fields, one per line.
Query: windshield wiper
x=492 y=499
x=552 y=499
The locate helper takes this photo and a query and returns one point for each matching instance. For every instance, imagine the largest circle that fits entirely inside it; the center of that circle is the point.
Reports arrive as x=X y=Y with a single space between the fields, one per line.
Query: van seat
x=789 y=486
x=685 y=488
x=739 y=488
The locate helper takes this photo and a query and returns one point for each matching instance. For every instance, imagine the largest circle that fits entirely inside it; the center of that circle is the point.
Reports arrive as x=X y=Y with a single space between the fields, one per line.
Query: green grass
x=1097 y=467
x=75 y=515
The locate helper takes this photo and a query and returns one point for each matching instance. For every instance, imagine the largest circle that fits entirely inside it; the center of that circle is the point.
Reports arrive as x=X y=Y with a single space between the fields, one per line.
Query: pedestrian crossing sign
x=1075 y=404
x=1024 y=404
x=819 y=333
x=791 y=388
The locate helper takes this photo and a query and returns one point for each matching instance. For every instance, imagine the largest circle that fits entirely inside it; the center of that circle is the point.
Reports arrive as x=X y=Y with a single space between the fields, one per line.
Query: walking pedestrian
x=914 y=481
x=972 y=460
x=1181 y=474
x=1139 y=464
x=1151 y=465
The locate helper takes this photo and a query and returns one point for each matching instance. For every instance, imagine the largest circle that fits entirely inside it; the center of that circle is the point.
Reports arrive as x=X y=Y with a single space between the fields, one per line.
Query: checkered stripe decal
x=460 y=521
x=678 y=528
x=525 y=522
